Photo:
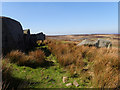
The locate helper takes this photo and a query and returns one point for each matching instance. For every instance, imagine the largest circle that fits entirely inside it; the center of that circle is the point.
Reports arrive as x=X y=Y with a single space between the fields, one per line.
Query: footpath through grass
x=49 y=76
x=43 y=77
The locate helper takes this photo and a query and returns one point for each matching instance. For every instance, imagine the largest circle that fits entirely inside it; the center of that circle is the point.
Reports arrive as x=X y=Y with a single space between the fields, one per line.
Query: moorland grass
x=89 y=66
x=101 y=64
x=33 y=59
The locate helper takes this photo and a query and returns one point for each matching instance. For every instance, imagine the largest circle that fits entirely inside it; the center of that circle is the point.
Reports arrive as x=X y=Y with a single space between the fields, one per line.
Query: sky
x=64 y=18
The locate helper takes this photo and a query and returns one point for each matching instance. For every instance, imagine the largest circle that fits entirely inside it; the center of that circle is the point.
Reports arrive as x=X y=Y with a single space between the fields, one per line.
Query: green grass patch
x=50 y=77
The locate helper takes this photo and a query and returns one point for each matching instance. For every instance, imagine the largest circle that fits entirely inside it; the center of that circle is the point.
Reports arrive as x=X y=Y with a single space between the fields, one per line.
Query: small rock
x=24 y=71
x=47 y=77
x=69 y=84
x=65 y=79
x=75 y=83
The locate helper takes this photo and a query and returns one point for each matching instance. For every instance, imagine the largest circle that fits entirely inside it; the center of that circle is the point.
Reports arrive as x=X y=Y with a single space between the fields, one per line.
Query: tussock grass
x=95 y=67
x=8 y=81
x=99 y=63
x=6 y=74
x=33 y=59
x=16 y=56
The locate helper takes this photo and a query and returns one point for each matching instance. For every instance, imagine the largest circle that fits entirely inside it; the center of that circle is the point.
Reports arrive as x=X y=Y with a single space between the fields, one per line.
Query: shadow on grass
x=13 y=83
x=45 y=49
x=9 y=82
x=47 y=64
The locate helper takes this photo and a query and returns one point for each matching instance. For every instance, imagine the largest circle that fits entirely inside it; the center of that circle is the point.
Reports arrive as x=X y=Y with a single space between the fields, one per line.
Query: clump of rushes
x=66 y=59
x=16 y=56
x=33 y=59
x=106 y=69
x=36 y=57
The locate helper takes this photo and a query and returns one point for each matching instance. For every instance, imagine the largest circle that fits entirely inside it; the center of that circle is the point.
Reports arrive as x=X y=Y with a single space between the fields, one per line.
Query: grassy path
x=49 y=76
x=42 y=77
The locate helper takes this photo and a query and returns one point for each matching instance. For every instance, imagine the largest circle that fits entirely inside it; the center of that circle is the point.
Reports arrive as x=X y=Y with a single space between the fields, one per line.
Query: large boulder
x=12 y=35
x=40 y=36
x=35 y=37
x=27 y=39
x=31 y=39
x=103 y=43
x=26 y=31
x=87 y=42
x=97 y=43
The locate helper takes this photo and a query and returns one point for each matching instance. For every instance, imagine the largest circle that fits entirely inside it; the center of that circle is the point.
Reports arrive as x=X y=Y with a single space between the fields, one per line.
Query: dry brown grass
x=33 y=59
x=105 y=61
x=15 y=56
x=6 y=73
x=106 y=68
x=38 y=56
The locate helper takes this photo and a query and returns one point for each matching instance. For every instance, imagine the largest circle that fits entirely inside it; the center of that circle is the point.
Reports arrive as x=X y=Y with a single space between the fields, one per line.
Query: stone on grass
x=75 y=83
x=100 y=43
x=65 y=79
x=69 y=84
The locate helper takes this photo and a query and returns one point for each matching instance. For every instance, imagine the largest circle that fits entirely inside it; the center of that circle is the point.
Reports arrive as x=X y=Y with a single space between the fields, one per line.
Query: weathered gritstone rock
x=98 y=43
x=87 y=42
x=40 y=36
x=69 y=84
x=36 y=37
x=65 y=79
x=31 y=39
x=14 y=38
x=27 y=39
x=12 y=35
x=75 y=83
x=103 y=43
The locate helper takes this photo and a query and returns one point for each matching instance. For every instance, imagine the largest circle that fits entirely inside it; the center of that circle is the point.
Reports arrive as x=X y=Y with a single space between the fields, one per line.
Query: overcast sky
x=64 y=17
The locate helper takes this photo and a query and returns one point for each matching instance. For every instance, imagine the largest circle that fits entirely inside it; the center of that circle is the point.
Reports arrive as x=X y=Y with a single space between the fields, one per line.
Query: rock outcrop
x=40 y=36
x=98 y=43
x=103 y=43
x=31 y=39
x=12 y=35
x=87 y=42
x=27 y=39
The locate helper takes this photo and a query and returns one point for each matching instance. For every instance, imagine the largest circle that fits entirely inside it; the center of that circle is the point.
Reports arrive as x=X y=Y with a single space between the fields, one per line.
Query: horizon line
x=80 y=34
